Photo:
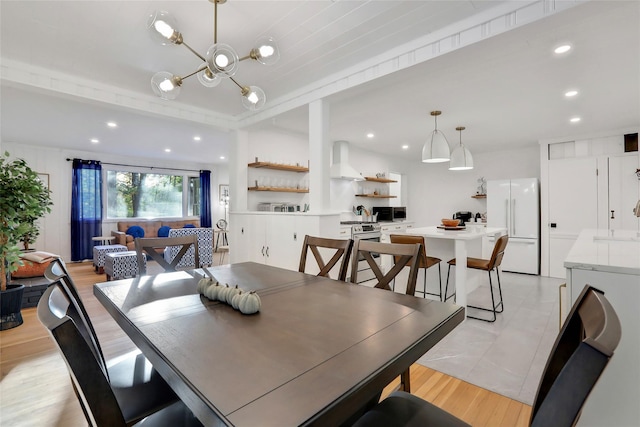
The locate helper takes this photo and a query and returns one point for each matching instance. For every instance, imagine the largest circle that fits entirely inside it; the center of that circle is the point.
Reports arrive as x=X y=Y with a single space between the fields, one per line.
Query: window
x=134 y=194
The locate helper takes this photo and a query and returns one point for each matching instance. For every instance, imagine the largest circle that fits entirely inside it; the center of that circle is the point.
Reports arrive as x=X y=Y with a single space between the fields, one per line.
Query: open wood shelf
x=479 y=196
x=277 y=166
x=374 y=179
x=376 y=196
x=279 y=189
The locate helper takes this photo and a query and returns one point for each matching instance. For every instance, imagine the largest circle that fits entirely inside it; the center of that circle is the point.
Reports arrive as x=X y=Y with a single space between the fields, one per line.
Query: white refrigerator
x=515 y=205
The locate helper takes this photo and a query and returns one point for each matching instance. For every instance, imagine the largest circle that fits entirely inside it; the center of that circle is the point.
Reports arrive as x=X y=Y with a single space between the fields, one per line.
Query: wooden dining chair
x=129 y=374
x=580 y=354
x=488 y=265
x=149 y=246
x=424 y=261
x=402 y=255
x=342 y=250
x=103 y=404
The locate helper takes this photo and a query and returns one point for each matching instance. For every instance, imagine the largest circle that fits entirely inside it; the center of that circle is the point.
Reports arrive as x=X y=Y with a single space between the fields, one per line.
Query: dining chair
x=424 y=261
x=488 y=265
x=342 y=250
x=102 y=403
x=130 y=373
x=402 y=255
x=582 y=350
x=148 y=246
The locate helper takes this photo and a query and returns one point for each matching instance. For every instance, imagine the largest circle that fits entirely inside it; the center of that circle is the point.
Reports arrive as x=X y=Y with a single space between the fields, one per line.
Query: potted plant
x=23 y=199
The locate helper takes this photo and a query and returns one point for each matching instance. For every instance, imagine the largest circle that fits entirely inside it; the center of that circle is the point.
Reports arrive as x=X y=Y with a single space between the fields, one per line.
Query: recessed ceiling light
x=575 y=119
x=196 y=138
x=370 y=135
x=222 y=157
x=405 y=147
x=112 y=124
x=570 y=93
x=167 y=150
x=94 y=140
x=562 y=49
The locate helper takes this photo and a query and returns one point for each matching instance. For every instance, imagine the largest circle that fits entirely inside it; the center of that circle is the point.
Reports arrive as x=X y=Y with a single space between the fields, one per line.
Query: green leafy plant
x=23 y=199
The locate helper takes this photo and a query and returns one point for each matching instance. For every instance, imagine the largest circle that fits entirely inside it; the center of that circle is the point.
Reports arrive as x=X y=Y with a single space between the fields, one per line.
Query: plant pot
x=10 y=305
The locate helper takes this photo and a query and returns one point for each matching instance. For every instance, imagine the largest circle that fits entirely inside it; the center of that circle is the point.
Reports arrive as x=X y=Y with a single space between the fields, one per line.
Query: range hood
x=341 y=169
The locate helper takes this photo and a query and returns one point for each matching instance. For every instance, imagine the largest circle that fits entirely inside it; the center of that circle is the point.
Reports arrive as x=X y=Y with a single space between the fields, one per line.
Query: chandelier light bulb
x=207 y=78
x=253 y=98
x=265 y=51
x=166 y=85
x=162 y=27
x=222 y=60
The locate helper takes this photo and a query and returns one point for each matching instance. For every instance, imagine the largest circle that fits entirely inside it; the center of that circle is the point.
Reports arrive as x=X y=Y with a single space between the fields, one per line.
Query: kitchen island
x=467 y=242
x=609 y=260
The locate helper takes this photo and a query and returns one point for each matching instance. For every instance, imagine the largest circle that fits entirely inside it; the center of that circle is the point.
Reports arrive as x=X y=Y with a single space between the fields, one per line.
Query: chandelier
x=461 y=158
x=220 y=62
x=436 y=149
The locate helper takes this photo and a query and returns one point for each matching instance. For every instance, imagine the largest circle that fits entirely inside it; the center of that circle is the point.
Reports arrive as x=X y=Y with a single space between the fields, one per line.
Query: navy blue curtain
x=205 y=198
x=86 y=207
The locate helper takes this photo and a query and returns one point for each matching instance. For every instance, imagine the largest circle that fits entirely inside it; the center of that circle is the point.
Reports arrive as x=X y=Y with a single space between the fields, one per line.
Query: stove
x=364 y=230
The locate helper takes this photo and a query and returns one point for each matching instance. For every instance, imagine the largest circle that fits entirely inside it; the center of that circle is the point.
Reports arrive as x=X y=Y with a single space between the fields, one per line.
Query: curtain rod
x=148 y=167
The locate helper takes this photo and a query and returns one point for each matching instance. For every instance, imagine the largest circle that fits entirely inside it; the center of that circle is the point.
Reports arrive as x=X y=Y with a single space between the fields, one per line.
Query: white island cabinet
x=609 y=260
x=275 y=238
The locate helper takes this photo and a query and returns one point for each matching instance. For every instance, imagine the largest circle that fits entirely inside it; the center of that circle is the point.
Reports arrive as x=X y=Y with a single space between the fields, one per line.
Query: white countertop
x=470 y=233
x=616 y=251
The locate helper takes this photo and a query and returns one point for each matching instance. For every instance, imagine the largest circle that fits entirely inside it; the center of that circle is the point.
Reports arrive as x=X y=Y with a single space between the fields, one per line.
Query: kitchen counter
x=610 y=261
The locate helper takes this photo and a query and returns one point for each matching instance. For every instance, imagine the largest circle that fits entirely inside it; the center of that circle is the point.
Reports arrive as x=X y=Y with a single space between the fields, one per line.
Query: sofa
x=150 y=228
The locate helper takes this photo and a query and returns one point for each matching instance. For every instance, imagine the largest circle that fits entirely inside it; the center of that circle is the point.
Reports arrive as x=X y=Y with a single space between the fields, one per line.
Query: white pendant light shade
x=253 y=98
x=222 y=60
x=436 y=149
x=207 y=78
x=163 y=28
x=461 y=158
x=166 y=85
x=266 y=51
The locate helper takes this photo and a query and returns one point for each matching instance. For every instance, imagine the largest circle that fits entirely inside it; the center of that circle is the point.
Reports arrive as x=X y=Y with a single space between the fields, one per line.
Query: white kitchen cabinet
x=275 y=238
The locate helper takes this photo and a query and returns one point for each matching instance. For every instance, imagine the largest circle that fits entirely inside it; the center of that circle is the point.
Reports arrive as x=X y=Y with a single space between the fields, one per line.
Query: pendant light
x=461 y=158
x=436 y=149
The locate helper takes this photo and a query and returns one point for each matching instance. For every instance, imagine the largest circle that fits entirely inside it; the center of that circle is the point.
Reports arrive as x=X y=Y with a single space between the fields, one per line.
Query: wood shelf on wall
x=278 y=166
x=376 y=196
x=280 y=189
x=479 y=196
x=374 y=179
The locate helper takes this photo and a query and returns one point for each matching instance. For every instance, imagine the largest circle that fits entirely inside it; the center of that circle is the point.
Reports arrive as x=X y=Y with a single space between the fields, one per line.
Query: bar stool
x=424 y=261
x=487 y=265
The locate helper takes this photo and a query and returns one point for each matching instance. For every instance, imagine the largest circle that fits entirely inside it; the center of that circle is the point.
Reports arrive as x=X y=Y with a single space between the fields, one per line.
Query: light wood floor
x=35 y=388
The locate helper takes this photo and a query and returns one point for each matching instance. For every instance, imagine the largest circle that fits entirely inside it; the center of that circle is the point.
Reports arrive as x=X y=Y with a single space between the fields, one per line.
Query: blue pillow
x=189 y=226
x=164 y=231
x=135 y=231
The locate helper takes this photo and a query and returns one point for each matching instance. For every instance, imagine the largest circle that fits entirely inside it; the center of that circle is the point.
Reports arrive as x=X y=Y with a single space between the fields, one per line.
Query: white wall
x=434 y=192
x=55 y=227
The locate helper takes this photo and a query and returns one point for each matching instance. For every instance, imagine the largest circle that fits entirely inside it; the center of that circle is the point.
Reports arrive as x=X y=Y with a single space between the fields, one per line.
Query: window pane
x=145 y=195
x=193 y=204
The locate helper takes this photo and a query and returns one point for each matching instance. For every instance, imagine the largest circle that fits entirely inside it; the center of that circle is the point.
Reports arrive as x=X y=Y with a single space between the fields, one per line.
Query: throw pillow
x=30 y=269
x=164 y=231
x=189 y=226
x=135 y=231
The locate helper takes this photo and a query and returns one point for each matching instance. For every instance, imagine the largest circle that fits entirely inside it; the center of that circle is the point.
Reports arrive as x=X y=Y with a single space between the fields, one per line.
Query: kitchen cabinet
x=276 y=238
x=609 y=260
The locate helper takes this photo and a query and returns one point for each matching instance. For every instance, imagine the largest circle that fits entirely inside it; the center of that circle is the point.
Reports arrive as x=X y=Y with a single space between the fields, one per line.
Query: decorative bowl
x=450 y=222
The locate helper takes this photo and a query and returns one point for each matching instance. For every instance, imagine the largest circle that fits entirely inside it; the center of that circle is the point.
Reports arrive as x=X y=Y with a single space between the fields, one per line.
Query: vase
x=10 y=306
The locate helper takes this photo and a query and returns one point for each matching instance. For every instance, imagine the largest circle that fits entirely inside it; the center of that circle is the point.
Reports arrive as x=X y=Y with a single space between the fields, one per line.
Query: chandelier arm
x=245 y=57
x=195 y=72
x=194 y=52
x=237 y=84
x=215 y=22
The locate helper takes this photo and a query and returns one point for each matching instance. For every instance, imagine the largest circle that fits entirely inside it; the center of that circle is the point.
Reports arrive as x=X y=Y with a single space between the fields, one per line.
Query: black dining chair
x=130 y=374
x=341 y=251
x=424 y=261
x=488 y=265
x=102 y=403
x=401 y=255
x=580 y=354
x=149 y=246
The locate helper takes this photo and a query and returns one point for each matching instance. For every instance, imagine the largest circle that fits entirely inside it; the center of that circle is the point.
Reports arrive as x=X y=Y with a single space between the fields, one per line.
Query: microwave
x=390 y=213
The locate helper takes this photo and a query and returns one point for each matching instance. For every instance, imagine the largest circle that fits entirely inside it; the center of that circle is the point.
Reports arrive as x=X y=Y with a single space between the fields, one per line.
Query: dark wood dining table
x=318 y=350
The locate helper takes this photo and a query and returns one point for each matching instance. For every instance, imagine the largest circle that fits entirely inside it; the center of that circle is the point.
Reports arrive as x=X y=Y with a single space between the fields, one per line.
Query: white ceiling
x=507 y=89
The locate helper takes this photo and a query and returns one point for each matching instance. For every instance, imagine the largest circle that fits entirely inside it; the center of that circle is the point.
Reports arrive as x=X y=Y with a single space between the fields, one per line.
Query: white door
x=498 y=203
x=624 y=192
x=573 y=206
x=525 y=211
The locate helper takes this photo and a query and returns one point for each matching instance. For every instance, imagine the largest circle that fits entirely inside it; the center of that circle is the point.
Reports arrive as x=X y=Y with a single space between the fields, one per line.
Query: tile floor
x=507 y=356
